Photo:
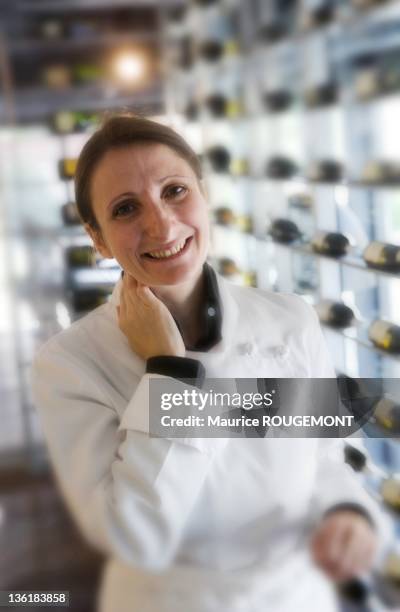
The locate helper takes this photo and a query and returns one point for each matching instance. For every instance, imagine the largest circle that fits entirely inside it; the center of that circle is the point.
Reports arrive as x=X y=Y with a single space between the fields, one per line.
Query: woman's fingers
x=146 y=321
x=344 y=545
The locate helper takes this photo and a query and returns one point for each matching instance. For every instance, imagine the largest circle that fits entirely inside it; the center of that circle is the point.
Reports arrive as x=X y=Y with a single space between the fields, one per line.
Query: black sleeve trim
x=185 y=369
x=352 y=507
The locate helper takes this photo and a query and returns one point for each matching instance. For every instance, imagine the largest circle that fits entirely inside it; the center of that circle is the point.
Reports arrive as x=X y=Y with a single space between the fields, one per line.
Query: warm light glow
x=129 y=67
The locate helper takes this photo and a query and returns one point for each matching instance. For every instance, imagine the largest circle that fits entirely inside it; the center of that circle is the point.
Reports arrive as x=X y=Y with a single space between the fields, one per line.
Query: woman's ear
x=98 y=241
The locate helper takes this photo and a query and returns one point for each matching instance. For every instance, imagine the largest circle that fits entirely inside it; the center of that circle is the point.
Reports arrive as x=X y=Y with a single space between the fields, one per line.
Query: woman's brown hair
x=118 y=131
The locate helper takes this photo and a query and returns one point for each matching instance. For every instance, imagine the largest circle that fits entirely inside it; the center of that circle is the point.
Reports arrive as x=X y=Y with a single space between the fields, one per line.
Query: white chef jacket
x=193 y=525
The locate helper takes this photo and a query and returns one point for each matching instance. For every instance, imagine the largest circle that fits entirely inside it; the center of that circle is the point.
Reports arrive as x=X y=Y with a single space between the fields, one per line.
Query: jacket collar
x=219 y=296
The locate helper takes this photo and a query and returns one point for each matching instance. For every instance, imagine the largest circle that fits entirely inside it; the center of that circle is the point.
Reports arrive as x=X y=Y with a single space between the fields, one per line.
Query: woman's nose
x=158 y=220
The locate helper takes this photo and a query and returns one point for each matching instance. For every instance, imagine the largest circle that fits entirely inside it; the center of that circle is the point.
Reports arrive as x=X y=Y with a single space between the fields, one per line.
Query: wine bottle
x=367 y=3
x=321 y=95
x=82 y=256
x=228 y=267
x=224 y=216
x=239 y=166
x=326 y=170
x=355 y=458
x=381 y=172
x=319 y=16
x=387 y=415
x=219 y=158
x=63 y=122
x=86 y=73
x=334 y=313
x=383 y=256
x=280 y=167
x=84 y=300
x=217 y=105
x=67 y=167
x=390 y=491
x=211 y=50
x=302 y=201
x=367 y=83
x=385 y=335
x=67 y=122
x=176 y=14
x=330 y=243
x=192 y=111
x=51 y=29
x=278 y=100
x=69 y=214
x=186 y=55
x=244 y=223
x=273 y=31
x=284 y=230
x=356 y=592
x=57 y=76
x=206 y=2
x=391 y=568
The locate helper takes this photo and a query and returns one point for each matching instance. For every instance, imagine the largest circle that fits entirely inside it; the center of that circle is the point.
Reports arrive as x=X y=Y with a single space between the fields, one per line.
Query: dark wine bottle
x=192 y=111
x=321 y=95
x=385 y=335
x=82 y=256
x=326 y=170
x=334 y=313
x=69 y=214
x=176 y=13
x=84 y=300
x=355 y=458
x=206 y=2
x=278 y=100
x=284 y=230
x=330 y=243
x=273 y=31
x=280 y=167
x=219 y=158
x=356 y=592
x=211 y=50
x=383 y=256
x=217 y=105
x=320 y=15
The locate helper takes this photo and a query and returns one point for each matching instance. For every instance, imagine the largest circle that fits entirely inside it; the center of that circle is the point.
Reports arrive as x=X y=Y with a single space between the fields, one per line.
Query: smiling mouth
x=173 y=253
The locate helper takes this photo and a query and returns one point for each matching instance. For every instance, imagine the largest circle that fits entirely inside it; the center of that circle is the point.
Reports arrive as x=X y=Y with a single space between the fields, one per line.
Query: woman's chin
x=173 y=275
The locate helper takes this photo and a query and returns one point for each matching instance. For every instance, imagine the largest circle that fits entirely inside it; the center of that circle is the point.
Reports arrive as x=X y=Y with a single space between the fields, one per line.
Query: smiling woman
x=151 y=214
x=189 y=524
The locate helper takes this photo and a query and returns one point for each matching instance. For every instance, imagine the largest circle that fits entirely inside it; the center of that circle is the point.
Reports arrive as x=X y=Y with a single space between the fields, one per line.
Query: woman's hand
x=146 y=322
x=344 y=545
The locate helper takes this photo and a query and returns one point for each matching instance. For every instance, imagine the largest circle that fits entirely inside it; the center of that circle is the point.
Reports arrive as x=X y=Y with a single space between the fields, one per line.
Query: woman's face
x=152 y=214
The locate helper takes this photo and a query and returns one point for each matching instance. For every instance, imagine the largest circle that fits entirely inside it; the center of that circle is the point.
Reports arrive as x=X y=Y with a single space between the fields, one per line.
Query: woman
x=191 y=524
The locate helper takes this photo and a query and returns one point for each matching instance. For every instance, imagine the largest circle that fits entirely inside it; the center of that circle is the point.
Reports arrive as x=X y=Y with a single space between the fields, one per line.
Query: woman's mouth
x=168 y=254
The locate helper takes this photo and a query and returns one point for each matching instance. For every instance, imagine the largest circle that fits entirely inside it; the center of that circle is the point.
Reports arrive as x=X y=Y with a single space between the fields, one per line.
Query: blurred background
x=294 y=108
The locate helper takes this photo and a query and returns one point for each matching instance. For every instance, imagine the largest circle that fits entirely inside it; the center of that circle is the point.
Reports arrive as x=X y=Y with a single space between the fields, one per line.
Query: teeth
x=168 y=252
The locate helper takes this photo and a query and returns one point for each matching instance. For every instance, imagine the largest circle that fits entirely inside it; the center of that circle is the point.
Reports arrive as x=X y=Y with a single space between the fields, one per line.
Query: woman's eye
x=122 y=210
x=174 y=191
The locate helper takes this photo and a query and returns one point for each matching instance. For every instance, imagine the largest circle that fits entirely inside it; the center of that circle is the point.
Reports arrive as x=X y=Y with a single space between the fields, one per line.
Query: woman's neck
x=185 y=302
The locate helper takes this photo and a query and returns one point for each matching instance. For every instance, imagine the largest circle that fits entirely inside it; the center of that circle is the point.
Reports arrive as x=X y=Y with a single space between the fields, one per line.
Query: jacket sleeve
x=130 y=494
x=336 y=483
